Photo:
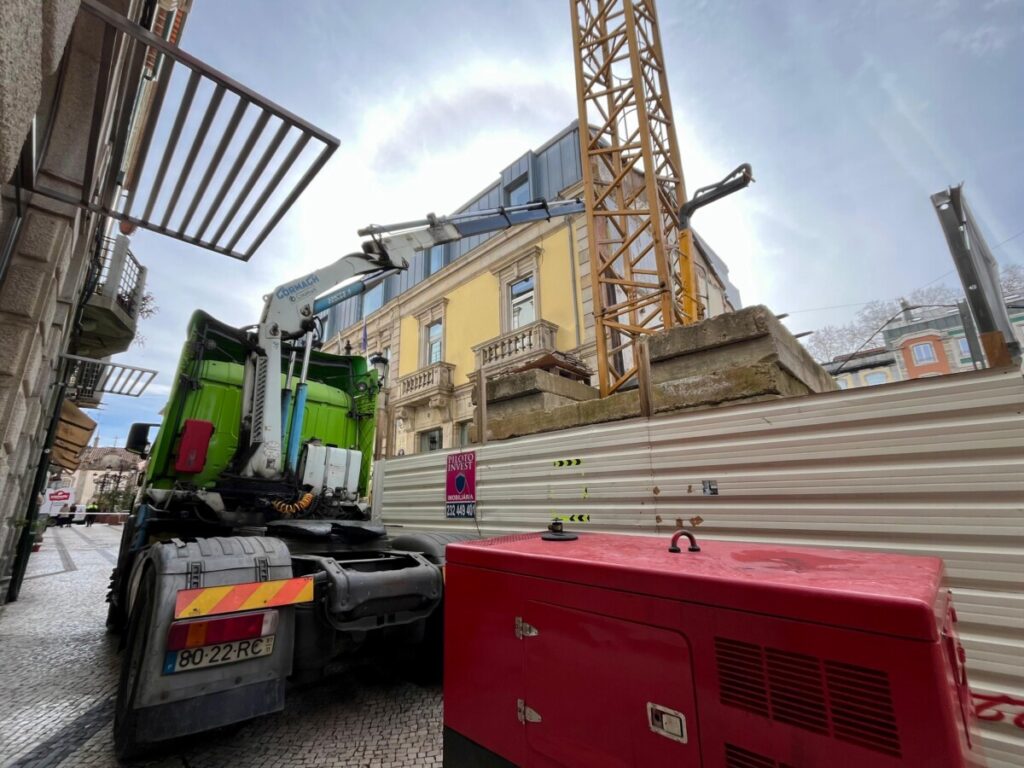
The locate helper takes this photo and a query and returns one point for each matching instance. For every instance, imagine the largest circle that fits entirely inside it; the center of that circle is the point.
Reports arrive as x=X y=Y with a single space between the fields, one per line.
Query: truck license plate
x=222 y=653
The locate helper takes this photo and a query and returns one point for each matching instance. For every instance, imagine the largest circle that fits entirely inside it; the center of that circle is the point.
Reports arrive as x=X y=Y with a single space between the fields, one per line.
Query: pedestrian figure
x=90 y=513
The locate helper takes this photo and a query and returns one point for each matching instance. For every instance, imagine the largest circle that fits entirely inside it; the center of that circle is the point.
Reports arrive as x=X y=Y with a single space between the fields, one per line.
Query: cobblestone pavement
x=58 y=674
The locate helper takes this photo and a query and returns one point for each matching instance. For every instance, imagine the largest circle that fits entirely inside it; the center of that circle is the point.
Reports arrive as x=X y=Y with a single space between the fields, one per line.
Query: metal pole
x=481 y=426
x=643 y=373
x=295 y=431
x=32 y=514
x=971 y=334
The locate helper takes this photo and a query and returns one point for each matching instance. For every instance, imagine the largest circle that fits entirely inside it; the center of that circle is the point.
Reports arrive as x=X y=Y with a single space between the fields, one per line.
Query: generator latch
x=525 y=713
x=524 y=630
x=667 y=722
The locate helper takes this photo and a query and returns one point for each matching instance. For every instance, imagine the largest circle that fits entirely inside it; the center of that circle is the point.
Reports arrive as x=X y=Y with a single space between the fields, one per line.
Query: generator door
x=603 y=692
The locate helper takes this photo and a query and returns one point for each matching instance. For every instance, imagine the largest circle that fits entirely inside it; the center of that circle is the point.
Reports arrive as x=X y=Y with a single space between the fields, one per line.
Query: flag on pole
x=366 y=342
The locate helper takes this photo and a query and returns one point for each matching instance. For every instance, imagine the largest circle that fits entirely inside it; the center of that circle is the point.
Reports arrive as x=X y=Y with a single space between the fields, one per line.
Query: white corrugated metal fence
x=933 y=466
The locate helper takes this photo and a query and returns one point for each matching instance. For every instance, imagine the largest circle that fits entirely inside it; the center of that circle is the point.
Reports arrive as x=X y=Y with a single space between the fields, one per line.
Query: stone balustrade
x=530 y=340
x=435 y=379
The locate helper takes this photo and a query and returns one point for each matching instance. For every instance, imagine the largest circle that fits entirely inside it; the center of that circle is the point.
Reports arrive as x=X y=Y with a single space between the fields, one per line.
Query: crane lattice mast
x=641 y=261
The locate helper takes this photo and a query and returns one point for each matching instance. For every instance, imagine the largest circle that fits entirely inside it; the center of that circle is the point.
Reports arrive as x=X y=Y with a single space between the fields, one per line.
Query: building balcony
x=111 y=314
x=517 y=347
x=430 y=385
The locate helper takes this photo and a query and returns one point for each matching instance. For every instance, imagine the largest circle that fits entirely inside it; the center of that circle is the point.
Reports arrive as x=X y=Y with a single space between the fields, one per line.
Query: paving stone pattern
x=58 y=675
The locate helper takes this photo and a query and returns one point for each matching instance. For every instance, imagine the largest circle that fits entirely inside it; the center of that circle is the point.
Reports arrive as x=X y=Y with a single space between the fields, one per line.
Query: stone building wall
x=41 y=282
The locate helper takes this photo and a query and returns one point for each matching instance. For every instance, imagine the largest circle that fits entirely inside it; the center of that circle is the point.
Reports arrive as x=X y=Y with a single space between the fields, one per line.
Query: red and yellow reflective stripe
x=210 y=601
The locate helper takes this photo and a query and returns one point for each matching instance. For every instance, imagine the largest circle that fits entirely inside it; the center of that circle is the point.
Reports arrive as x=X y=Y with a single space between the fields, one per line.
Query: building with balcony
x=111 y=312
x=75 y=102
x=864 y=369
x=932 y=341
x=493 y=302
x=921 y=342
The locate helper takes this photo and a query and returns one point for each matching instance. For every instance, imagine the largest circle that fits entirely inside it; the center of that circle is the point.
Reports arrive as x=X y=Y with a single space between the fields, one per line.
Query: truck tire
x=428 y=661
x=115 y=617
x=126 y=744
x=117 y=594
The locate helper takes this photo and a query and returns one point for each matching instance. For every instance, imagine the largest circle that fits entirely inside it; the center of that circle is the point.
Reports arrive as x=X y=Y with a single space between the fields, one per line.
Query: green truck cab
x=228 y=585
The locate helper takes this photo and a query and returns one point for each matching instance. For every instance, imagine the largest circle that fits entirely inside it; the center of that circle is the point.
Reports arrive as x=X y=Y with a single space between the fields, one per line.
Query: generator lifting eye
x=674 y=546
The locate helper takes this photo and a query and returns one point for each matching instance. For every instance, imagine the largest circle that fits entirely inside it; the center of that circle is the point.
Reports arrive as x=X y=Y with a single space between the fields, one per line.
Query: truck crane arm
x=289 y=313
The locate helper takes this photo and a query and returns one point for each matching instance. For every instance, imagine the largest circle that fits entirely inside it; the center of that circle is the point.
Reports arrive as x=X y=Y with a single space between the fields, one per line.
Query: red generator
x=605 y=650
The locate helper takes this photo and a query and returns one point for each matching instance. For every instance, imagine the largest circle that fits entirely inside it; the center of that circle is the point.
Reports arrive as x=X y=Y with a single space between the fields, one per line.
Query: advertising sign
x=460 y=485
x=55 y=499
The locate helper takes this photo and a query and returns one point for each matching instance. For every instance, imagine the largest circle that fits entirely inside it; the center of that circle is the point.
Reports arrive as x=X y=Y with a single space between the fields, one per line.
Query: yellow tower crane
x=641 y=258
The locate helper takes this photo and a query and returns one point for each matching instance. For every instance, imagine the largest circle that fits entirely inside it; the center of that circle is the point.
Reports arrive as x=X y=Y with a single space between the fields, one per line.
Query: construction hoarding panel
x=931 y=466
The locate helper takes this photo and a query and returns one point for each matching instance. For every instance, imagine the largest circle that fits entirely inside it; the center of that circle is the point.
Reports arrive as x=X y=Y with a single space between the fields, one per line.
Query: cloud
x=986 y=40
x=431 y=102
x=446 y=121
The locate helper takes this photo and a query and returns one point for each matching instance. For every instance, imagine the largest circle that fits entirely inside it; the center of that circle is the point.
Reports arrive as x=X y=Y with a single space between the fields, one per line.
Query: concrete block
x=30 y=431
x=46 y=374
x=24 y=288
x=739 y=358
x=16 y=334
x=66 y=158
x=744 y=338
x=20 y=77
x=48 y=310
x=58 y=19
x=15 y=423
x=5 y=471
x=736 y=384
x=21 y=456
x=40 y=235
x=533 y=391
x=8 y=388
x=535 y=381
x=33 y=365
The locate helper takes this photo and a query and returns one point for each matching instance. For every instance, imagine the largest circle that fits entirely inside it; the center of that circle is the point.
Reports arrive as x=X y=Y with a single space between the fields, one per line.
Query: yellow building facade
x=489 y=304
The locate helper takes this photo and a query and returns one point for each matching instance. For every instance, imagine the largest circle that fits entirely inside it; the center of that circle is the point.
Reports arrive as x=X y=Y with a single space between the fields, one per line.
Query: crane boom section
x=289 y=311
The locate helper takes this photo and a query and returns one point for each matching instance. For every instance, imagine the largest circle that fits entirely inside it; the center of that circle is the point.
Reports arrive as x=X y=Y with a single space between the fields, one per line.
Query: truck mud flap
x=191 y=698
x=216 y=710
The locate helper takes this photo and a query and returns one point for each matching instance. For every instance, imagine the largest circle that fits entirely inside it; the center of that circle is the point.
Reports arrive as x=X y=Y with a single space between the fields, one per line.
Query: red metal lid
x=868 y=591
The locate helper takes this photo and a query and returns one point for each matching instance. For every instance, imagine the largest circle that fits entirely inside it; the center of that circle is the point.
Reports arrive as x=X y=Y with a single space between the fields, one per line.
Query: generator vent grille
x=737 y=757
x=741 y=675
x=861 y=704
x=796 y=690
x=845 y=701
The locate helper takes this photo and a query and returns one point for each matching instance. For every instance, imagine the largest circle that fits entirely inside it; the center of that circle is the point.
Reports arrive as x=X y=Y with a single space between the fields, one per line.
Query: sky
x=852 y=114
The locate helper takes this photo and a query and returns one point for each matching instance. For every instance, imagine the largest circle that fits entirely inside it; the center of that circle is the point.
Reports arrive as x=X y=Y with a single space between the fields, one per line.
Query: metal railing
x=87 y=379
x=225 y=153
x=535 y=338
x=121 y=277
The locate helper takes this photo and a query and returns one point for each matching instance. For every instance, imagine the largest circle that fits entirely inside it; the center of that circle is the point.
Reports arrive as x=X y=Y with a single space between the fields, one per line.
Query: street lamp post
x=380 y=364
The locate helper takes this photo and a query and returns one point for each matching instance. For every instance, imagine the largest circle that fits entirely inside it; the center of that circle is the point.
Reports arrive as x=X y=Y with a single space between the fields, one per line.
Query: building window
x=520 y=302
x=875 y=377
x=522 y=306
x=463 y=433
x=702 y=290
x=435 y=334
x=842 y=383
x=520 y=193
x=965 y=348
x=373 y=299
x=923 y=353
x=430 y=440
x=435 y=259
